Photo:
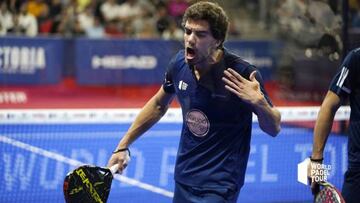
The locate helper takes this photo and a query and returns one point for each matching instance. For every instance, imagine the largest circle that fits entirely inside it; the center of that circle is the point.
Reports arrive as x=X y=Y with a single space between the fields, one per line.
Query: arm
x=268 y=117
x=151 y=113
x=324 y=123
x=322 y=129
x=249 y=91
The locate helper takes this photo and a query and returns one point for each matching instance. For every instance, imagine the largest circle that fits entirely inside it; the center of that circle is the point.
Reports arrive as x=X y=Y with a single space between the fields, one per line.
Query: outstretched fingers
x=230 y=84
x=233 y=81
x=232 y=74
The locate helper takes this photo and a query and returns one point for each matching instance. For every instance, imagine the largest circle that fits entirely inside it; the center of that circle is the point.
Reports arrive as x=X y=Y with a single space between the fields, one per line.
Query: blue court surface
x=34 y=159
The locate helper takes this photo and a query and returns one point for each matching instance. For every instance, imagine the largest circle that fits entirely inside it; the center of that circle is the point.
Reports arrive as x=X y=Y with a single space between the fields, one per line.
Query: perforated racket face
x=329 y=195
x=90 y=184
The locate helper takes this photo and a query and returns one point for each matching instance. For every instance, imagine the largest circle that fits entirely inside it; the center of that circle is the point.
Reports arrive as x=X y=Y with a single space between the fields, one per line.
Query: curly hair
x=213 y=14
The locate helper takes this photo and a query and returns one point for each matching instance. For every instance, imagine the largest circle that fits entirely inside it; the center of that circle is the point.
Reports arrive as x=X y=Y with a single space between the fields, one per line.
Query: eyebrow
x=197 y=31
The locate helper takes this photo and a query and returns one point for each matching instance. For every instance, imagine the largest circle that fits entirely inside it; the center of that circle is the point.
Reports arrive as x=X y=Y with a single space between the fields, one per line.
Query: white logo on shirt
x=197 y=122
x=182 y=85
x=344 y=73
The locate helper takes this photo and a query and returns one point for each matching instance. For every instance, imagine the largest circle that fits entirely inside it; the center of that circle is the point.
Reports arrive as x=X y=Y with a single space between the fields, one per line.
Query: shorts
x=190 y=194
x=351 y=186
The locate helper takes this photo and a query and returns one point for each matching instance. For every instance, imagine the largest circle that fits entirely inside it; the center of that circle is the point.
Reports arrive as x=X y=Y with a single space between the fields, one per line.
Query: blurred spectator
x=328 y=24
x=176 y=9
x=14 y=5
x=86 y=17
x=112 y=29
x=130 y=10
x=148 y=5
x=306 y=22
x=67 y=21
x=83 y=4
x=96 y=4
x=325 y=18
x=6 y=18
x=96 y=30
x=144 y=24
x=173 y=32
x=45 y=22
x=120 y=18
x=36 y=7
x=16 y=29
x=309 y=30
x=55 y=8
x=290 y=17
x=77 y=30
x=110 y=11
x=128 y=30
x=162 y=18
x=147 y=31
x=25 y=23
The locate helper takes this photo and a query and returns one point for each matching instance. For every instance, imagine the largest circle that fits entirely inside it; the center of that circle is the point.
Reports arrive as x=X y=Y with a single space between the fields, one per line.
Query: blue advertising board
x=107 y=61
x=123 y=61
x=259 y=53
x=30 y=60
x=145 y=61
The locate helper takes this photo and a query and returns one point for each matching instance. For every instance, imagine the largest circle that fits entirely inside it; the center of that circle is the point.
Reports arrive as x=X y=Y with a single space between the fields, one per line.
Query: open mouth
x=190 y=53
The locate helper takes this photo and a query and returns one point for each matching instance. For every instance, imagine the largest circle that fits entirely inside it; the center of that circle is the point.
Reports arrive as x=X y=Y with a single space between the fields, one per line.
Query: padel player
x=345 y=84
x=218 y=93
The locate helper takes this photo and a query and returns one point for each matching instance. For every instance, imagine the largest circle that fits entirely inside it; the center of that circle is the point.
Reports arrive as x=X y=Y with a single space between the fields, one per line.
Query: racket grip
x=114 y=168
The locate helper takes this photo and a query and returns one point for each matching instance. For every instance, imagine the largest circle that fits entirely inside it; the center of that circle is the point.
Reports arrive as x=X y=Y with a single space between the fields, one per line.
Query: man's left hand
x=248 y=90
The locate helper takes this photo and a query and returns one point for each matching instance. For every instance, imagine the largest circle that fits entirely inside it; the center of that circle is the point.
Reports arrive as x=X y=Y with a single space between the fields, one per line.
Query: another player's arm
x=250 y=92
x=151 y=113
x=324 y=123
x=322 y=130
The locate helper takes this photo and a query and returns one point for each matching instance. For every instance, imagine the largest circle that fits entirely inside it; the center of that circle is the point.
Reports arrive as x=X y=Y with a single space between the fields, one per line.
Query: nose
x=191 y=38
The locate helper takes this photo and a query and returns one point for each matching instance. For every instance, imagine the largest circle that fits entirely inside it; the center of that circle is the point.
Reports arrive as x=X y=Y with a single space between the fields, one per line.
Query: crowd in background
x=162 y=18
x=93 y=18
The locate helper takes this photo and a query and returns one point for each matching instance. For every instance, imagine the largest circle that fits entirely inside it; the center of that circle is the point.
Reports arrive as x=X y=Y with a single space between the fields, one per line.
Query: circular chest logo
x=197 y=123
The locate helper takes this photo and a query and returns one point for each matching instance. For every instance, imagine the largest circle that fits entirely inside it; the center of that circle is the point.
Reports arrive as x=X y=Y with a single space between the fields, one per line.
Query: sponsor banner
x=30 y=60
x=110 y=61
x=145 y=61
x=123 y=61
x=262 y=54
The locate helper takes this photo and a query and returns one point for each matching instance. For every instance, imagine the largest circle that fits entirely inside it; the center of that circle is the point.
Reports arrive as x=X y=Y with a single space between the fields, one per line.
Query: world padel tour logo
x=312 y=171
x=197 y=122
x=319 y=172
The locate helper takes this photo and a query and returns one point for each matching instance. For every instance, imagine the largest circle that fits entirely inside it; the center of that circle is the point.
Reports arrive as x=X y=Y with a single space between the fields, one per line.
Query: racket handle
x=114 y=168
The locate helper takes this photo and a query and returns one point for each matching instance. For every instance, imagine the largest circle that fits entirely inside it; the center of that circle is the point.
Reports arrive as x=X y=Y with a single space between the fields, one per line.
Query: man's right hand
x=122 y=158
x=314 y=170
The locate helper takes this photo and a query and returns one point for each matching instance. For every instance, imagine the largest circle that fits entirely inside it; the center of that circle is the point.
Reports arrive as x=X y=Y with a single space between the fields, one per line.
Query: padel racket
x=328 y=194
x=88 y=184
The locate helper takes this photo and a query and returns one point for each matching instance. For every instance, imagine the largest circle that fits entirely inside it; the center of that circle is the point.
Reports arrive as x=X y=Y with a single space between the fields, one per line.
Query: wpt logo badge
x=182 y=85
x=312 y=171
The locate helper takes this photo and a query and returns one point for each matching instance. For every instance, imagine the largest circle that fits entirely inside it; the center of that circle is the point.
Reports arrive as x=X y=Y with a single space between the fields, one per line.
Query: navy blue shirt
x=215 y=139
x=346 y=84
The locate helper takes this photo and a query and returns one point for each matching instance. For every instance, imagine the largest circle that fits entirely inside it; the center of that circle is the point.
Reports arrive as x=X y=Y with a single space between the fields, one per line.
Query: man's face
x=199 y=42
